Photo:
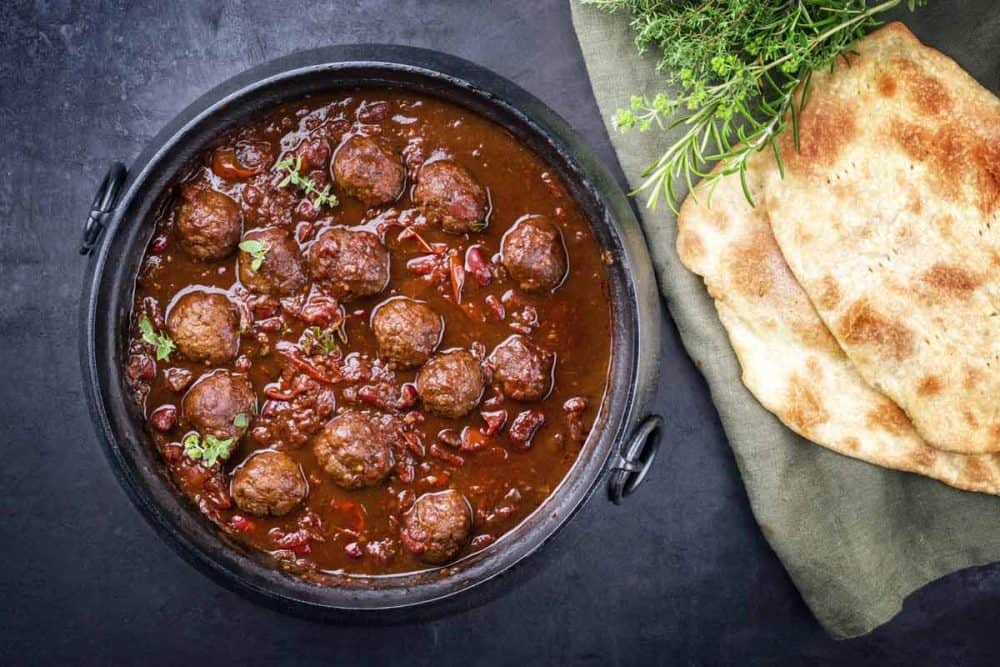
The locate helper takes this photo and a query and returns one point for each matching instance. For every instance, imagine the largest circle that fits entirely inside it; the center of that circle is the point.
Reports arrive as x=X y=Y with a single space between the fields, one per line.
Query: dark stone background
x=680 y=574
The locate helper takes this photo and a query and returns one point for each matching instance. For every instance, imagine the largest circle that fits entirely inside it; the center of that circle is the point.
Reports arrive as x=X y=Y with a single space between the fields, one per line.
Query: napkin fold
x=856 y=539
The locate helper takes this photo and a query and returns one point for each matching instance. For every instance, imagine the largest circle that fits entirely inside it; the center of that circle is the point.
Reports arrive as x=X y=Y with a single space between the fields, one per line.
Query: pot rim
x=481 y=91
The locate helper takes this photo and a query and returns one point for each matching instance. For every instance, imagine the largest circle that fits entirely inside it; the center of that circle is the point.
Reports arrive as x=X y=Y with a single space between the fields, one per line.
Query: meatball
x=451 y=383
x=269 y=483
x=407 y=331
x=205 y=326
x=450 y=196
x=366 y=171
x=521 y=369
x=534 y=255
x=209 y=224
x=437 y=527
x=349 y=263
x=280 y=273
x=212 y=404
x=353 y=451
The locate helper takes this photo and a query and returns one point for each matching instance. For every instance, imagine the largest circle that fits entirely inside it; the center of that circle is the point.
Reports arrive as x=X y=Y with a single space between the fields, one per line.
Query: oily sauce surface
x=503 y=479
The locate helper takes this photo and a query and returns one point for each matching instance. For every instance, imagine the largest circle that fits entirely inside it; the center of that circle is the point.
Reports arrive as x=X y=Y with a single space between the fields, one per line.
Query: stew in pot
x=370 y=334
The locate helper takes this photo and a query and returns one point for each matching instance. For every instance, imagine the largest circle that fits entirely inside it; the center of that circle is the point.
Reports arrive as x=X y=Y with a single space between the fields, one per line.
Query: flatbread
x=889 y=217
x=790 y=361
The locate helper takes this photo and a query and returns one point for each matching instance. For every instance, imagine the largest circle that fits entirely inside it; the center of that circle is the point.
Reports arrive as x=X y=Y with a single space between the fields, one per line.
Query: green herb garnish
x=737 y=65
x=161 y=342
x=326 y=340
x=257 y=251
x=319 y=198
x=242 y=420
x=208 y=450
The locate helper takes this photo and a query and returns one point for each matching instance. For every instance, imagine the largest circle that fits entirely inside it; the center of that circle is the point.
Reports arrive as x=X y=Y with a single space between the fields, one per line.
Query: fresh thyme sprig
x=319 y=198
x=739 y=65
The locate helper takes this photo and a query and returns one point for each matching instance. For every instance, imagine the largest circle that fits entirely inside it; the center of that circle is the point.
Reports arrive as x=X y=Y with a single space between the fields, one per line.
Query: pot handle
x=635 y=459
x=104 y=204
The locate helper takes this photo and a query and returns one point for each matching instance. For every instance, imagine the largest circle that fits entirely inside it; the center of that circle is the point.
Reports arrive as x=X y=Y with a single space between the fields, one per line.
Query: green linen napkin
x=855 y=538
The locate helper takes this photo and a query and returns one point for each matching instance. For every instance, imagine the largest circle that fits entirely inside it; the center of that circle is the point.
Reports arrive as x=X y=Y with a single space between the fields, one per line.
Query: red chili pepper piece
x=241 y=523
x=353 y=512
x=457 y=273
x=226 y=165
x=413 y=443
x=441 y=453
x=412 y=233
x=423 y=265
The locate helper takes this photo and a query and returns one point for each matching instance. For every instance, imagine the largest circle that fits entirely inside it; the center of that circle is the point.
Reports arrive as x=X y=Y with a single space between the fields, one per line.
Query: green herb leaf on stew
x=740 y=72
x=207 y=451
x=293 y=176
x=241 y=420
x=257 y=251
x=325 y=339
x=160 y=342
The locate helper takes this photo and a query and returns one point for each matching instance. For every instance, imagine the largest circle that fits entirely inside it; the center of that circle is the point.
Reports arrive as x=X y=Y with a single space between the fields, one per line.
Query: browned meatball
x=450 y=196
x=522 y=369
x=451 y=383
x=349 y=263
x=212 y=404
x=209 y=224
x=407 y=331
x=269 y=483
x=534 y=254
x=280 y=273
x=437 y=527
x=205 y=326
x=353 y=451
x=366 y=171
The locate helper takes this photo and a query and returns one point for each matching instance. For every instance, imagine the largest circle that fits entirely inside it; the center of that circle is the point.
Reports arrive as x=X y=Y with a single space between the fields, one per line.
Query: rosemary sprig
x=293 y=176
x=738 y=65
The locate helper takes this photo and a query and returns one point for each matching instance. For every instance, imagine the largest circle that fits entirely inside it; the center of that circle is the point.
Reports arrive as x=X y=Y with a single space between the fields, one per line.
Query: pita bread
x=889 y=217
x=790 y=361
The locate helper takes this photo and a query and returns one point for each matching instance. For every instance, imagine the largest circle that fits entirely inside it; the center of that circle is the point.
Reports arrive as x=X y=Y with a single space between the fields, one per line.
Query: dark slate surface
x=680 y=574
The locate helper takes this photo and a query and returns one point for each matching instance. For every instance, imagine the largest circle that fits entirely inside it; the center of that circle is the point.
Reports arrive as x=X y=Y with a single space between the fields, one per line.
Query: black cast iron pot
x=624 y=438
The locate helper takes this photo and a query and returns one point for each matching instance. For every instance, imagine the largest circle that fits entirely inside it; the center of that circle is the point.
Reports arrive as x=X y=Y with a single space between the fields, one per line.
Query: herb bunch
x=737 y=65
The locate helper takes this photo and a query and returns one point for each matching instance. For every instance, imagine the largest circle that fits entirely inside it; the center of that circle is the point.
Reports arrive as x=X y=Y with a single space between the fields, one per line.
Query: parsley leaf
x=257 y=251
x=318 y=197
x=207 y=451
x=241 y=420
x=161 y=342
